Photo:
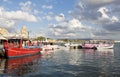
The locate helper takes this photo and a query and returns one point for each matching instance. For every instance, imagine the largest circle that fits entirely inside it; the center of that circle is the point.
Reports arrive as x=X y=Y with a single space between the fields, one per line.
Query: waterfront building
x=3 y=31
x=24 y=32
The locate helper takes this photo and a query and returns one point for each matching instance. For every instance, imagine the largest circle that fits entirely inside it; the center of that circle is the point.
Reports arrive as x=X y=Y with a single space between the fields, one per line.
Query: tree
x=41 y=38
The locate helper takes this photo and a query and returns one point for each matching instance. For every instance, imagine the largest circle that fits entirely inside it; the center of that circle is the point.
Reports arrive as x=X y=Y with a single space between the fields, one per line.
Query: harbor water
x=65 y=63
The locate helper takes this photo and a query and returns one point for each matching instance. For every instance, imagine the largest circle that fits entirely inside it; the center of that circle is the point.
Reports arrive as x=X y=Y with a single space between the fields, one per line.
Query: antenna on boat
x=28 y=35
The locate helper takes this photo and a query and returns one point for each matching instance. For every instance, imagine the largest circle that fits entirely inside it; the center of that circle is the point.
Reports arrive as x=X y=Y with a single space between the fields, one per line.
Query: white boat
x=49 y=47
x=105 y=46
x=67 y=44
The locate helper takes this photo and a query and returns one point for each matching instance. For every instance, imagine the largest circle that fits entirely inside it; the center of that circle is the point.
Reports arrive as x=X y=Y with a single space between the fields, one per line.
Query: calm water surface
x=65 y=63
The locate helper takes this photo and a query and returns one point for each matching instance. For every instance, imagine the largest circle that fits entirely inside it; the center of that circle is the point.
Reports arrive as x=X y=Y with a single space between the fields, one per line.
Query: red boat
x=12 y=50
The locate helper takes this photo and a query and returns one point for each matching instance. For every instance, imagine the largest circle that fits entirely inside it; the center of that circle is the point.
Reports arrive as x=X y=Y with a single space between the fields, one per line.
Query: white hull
x=49 y=47
x=105 y=47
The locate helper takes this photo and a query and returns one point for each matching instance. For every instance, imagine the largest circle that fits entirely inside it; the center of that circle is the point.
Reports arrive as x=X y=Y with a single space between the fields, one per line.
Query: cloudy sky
x=63 y=18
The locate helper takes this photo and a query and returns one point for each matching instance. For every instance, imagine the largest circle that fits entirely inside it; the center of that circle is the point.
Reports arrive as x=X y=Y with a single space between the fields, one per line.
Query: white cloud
x=6 y=23
x=47 y=6
x=99 y=1
x=114 y=19
x=8 y=19
x=60 y=17
x=27 y=6
x=103 y=11
x=35 y=11
x=7 y=1
x=69 y=12
x=75 y=23
x=1 y=9
x=48 y=17
x=69 y=28
x=105 y=16
x=71 y=34
x=19 y=15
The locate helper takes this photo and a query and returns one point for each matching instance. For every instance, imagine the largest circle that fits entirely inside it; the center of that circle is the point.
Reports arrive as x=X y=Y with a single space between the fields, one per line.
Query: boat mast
x=28 y=35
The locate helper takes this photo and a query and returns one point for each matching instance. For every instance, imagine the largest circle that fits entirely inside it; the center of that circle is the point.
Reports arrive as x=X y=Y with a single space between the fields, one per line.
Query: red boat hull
x=20 y=52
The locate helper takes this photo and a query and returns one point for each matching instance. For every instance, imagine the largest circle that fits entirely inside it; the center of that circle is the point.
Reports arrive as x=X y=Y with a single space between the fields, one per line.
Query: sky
x=58 y=19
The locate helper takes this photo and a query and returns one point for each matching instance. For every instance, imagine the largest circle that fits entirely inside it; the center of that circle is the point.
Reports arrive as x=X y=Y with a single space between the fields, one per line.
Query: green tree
x=41 y=38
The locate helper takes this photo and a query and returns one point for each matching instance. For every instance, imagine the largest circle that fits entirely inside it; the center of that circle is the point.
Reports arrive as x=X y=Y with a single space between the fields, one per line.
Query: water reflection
x=79 y=63
x=65 y=63
x=19 y=66
x=98 y=62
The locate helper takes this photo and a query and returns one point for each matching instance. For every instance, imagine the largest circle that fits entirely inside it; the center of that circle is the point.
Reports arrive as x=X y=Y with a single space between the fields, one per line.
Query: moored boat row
x=13 y=50
x=91 y=46
x=98 y=46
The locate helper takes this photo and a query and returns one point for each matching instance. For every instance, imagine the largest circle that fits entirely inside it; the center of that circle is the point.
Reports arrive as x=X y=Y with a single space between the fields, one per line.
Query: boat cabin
x=14 y=42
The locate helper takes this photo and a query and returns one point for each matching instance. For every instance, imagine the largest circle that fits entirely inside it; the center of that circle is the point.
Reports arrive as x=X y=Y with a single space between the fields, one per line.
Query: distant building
x=3 y=31
x=24 y=31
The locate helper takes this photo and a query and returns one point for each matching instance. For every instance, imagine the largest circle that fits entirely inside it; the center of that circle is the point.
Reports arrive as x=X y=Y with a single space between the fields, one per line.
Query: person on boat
x=23 y=44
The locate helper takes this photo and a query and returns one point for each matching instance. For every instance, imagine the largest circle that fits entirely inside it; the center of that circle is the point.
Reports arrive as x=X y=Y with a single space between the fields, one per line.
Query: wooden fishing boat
x=12 y=50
